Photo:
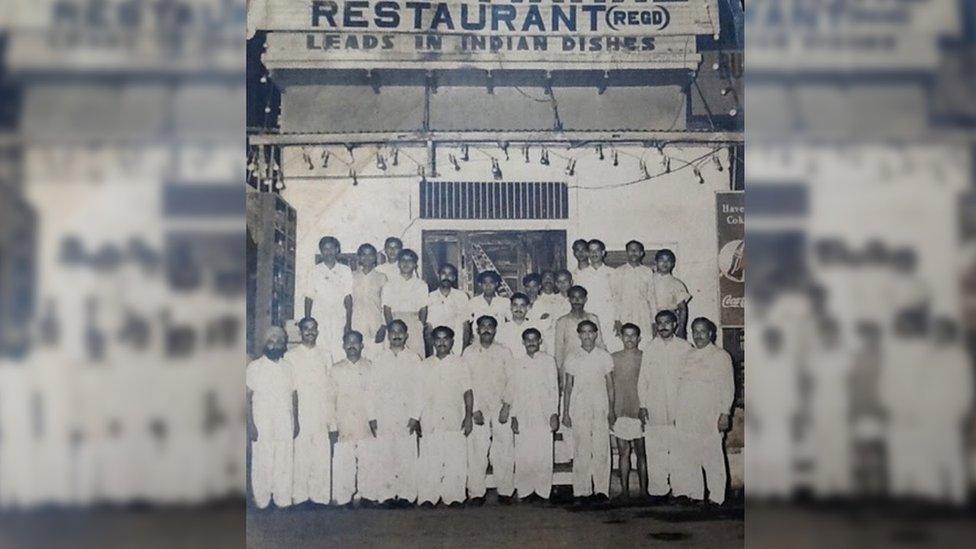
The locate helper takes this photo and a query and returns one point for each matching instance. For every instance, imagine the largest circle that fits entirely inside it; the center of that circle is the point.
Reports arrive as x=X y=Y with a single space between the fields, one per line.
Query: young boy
x=670 y=293
x=329 y=297
x=405 y=298
x=446 y=411
x=447 y=305
x=488 y=302
x=397 y=375
x=586 y=410
x=597 y=280
x=627 y=428
x=704 y=406
x=367 y=300
x=633 y=290
x=313 y=385
x=488 y=363
x=657 y=388
x=355 y=423
x=567 y=338
x=272 y=421
x=532 y=400
x=510 y=332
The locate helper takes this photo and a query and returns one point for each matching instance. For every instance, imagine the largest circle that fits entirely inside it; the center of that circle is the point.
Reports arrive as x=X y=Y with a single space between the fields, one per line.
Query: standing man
x=488 y=363
x=586 y=410
x=397 y=398
x=329 y=298
x=447 y=305
x=532 y=400
x=657 y=388
x=367 y=299
x=316 y=395
x=670 y=293
x=633 y=290
x=582 y=254
x=552 y=304
x=627 y=429
x=510 y=332
x=355 y=423
x=488 y=302
x=405 y=298
x=272 y=406
x=705 y=394
x=596 y=280
x=392 y=247
x=446 y=420
x=567 y=338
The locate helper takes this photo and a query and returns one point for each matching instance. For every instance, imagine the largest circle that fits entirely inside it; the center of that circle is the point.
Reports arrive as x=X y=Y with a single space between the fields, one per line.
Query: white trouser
x=591 y=451
x=271 y=471
x=347 y=469
x=17 y=489
x=478 y=445
x=443 y=467
x=693 y=453
x=533 y=462
x=658 y=444
x=395 y=466
x=313 y=456
x=768 y=463
x=502 y=454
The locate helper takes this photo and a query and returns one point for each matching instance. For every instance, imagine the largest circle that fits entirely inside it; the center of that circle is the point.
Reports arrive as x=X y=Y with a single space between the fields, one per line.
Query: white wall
x=673 y=210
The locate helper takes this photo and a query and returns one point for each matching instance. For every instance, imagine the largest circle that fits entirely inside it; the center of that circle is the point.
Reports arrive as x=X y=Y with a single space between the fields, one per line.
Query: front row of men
x=399 y=427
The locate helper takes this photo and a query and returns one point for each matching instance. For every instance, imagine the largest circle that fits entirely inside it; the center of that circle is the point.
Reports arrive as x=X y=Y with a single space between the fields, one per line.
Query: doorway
x=513 y=254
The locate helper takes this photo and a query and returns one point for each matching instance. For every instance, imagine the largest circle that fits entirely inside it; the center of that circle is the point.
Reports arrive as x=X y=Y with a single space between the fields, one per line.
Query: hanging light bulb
x=525 y=153
x=454 y=162
x=717 y=162
x=274 y=166
x=571 y=167
x=616 y=159
x=279 y=184
x=698 y=174
x=643 y=169
x=395 y=157
x=464 y=153
x=264 y=79
x=307 y=157
x=544 y=157
x=267 y=110
x=496 y=170
x=325 y=158
x=599 y=152
x=381 y=162
x=504 y=146
x=352 y=174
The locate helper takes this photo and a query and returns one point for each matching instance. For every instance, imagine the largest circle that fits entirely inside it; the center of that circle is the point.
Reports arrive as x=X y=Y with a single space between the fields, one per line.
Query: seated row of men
x=398 y=427
x=368 y=298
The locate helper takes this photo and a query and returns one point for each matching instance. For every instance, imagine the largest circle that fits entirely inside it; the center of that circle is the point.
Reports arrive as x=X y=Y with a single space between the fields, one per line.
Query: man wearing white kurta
x=488 y=363
x=313 y=451
x=446 y=411
x=397 y=374
x=329 y=286
x=532 y=400
x=633 y=291
x=596 y=279
x=510 y=331
x=447 y=305
x=367 y=300
x=567 y=336
x=670 y=293
x=405 y=298
x=549 y=307
x=392 y=247
x=355 y=422
x=586 y=410
x=488 y=302
x=704 y=400
x=657 y=388
x=272 y=422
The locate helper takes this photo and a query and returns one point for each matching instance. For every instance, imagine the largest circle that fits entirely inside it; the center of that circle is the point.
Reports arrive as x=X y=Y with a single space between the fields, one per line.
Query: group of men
x=379 y=420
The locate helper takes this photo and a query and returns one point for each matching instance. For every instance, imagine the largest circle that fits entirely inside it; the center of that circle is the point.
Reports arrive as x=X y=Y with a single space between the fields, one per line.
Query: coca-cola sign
x=730 y=216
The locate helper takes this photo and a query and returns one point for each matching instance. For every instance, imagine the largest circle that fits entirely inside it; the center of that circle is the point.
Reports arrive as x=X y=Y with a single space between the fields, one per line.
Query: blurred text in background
x=121 y=261
x=862 y=282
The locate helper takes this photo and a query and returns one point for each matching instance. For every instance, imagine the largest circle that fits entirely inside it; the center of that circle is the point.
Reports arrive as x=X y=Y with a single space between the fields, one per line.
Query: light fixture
x=396 y=157
x=454 y=162
x=599 y=152
x=504 y=147
x=465 y=156
x=307 y=157
x=698 y=174
x=616 y=159
x=525 y=153
x=544 y=157
x=666 y=163
x=643 y=169
x=571 y=167
x=717 y=162
x=350 y=147
x=381 y=162
x=325 y=158
x=352 y=174
x=496 y=170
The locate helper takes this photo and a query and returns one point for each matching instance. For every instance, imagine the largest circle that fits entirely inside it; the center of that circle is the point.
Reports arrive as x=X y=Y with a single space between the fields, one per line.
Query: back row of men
x=399 y=427
x=368 y=299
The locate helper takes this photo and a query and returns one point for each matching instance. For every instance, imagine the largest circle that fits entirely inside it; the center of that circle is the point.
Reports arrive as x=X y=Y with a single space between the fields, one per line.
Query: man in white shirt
x=392 y=247
x=488 y=363
x=581 y=253
x=316 y=394
x=488 y=302
x=532 y=400
x=586 y=410
x=397 y=397
x=567 y=335
x=405 y=298
x=551 y=304
x=367 y=300
x=633 y=290
x=705 y=393
x=446 y=411
x=272 y=406
x=447 y=305
x=510 y=332
x=355 y=424
x=657 y=388
x=329 y=297
x=670 y=293
x=596 y=280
